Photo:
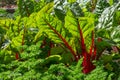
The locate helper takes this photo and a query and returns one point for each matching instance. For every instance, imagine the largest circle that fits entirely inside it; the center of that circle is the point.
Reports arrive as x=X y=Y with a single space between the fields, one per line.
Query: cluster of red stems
x=88 y=57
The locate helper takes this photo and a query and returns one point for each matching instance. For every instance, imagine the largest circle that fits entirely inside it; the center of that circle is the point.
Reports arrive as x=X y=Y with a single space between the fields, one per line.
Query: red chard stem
x=64 y=41
x=17 y=56
x=92 y=45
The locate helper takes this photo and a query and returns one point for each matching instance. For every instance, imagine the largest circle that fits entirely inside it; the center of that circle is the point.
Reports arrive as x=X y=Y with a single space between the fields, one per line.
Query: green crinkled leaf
x=53 y=59
x=86 y=24
x=47 y=8
x=17 y=41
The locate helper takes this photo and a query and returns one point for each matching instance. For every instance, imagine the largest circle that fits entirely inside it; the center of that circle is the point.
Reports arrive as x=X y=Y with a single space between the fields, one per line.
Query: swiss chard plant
x=75 y=35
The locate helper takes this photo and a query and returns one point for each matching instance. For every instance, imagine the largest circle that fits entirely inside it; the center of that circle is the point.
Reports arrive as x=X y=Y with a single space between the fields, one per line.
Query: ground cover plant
x=61 y=40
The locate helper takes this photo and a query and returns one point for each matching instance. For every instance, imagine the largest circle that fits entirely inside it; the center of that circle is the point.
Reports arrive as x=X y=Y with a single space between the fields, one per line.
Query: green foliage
x=108 y=25
x=2 y=13
x=100 y=6
x=59 y=22
x=38 y=67
x=9 y=1
x=26 y=7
